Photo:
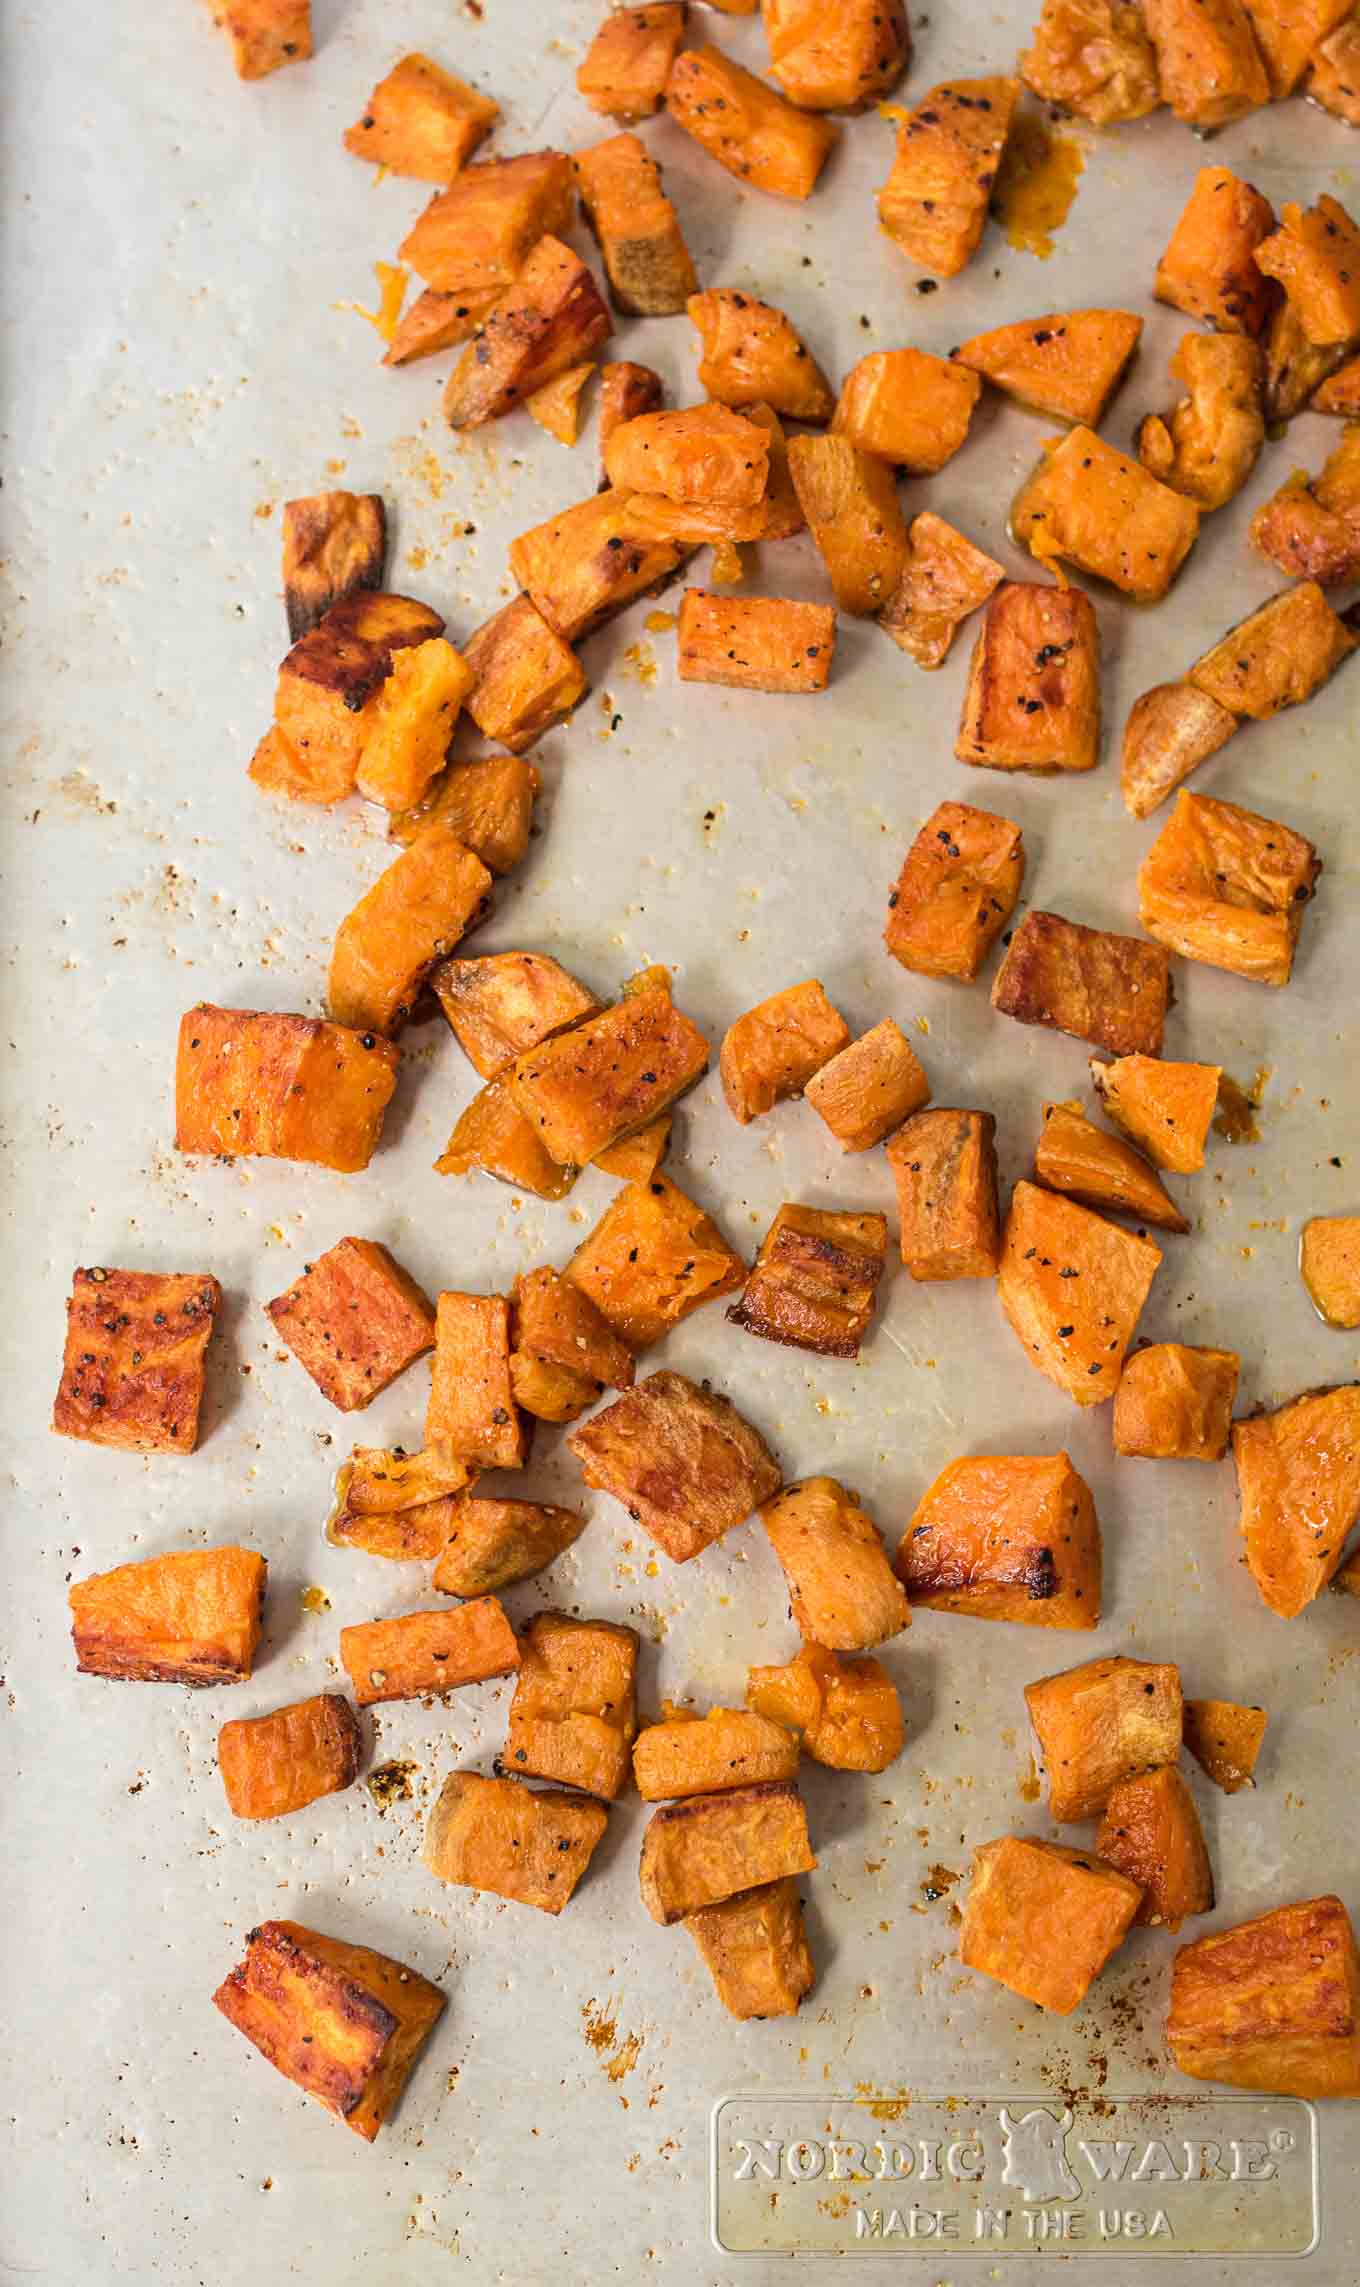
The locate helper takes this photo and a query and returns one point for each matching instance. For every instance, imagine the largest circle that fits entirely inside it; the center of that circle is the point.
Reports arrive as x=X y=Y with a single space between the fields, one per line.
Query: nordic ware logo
x=1034 y=2155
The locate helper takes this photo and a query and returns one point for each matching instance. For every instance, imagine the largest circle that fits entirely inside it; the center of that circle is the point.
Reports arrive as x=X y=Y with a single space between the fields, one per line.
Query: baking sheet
x=180 y=360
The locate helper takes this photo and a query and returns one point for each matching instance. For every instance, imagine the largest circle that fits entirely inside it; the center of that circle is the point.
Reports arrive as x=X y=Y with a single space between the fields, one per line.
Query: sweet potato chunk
x=1334 y=73
x=728 y=1747
x=325 y=701
x=333 y=543
x=1094 y=507
x=132 y=1371
x=550 y=318
x=903 y=406
x=341 y=2022
x=1278 y=656
x=503 y=1003
x=1209 y=67
x=943 y=579
x=1033 y=697
x=1287 y=32
x=531 y=1844
x=841 y=1587
x=683 y=1462
x=1311 y=526
x=573 y=1716
x=1094 y=58
x=1329 y=1263
x=479 y=232
x=1296 y=367
x=629 y=60
x=491 y=1544
x=273 y=1764
x=1069 y=364
x=944 y=1166
x=1228 y=887
x=413 y=718
x=1006 y=1537
x=528 y=679
x=754 y=643
x=436 y=322
x=251 y=1085
x=1208 y=444
x=698 y=1852
x=1043 y=1920
x=424 y=1654
x=1225 y=1740
x=190 y=1617
x=756 y=1950
x=488 y=805
x=265 y=34
x=1315 y=255
x=472 y=1406
x=1100 y=1724
x=1093 y=983
x=751 y=354
x=652 y=1258
x=416 y=912
x=705 y=456
x=813 y=1282
x=1298 y=1474
x=422 y=121
x=638 y=1158
x=1271 y=2004
x=847 y=1711
x=1209 y=266
x=1075 y=1156
x=1073 y=1287
x=956 y=891
x=398 y=1505
x=635 y=227
x=1174 y=1403
x=565 y=1352
x=609 y=1075
x=626 y=391
x=1151 y=1832
x=494 y=1135
x=772 y=1051
x=935 y=200
x=850 y=501
x=836 y=59
x=1171 y=730
x=746 y=126
x=583 y=566
x=1166 y=1108
x=870 y=1088
x=354 y=1321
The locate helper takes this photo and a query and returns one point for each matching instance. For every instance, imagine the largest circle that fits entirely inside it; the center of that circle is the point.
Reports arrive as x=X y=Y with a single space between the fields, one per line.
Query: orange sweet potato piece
x=1166 y=1108
x=479 y=232
x=472 y=1405
x=684 y=1463
x=1298 y=1474
x=503 y=1003
x=608 y=1076
x=437 y=321
x=488 y=805
x=653 y=1257
x=550 y=318
x=703 y=456
x=638 y=1158
x=729 y=1747
x=416 y=912
x=1033 y=696
x=341 y=2022
x=251 y=1085
x=635 y=227
x=1209 y=266
x=1151 y=1832
x=354 y=1321
x=190 y=1617
x=424 y=1654
x=265 y=34
x=1171 y=730
x=565 y=1352
x=754 y=643
x=746 y=126
x=326 y=699
x=1334 y=74
x=1228 y=887
x=1272 y=2003
x=836 y=59
x=842 y=1591
x=849 y=498
x=1315 y=255
x=1278 y=656
x=956 y=891
x=870 y=1088
x=531 y=1844
x=1101 y=1723
x=1174 y=1402
x=333 y=543
x=1287 y=32
x=1094 y=507
x=755 y=1949
x=495 y=1136
x=1295 y=367
x=943 y=579
x=1311 y=527
x=1092 y=57
x=1069 y=364
x=1208 y=444
x=1225 y=1740
x=273 y=1764
x=944 y=1166
x=1208 y=64
x=629 y=60
x=491 y=1544
x=411 y=723
x=1043 y=1920
x=573 y=1715
x=528 y=679
x=904 y=406
x=1006 y=1537
x=422 y=121
x=1075 y=1156
x=772 y=1051
x=132 y=1371
x=584 y=565
x=935 y=200
x=626 y=390
x=1329 y=1263
x=557 y=405
x=814 y=1281
x=699 y=1852
x=398 y=1505
x=1073 y=1287
x=1111 y=990
x=848 y=1711
x=751 y=354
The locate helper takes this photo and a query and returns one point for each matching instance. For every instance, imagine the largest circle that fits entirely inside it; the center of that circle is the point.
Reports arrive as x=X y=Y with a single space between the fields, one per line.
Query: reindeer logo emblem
x=1034 y=2155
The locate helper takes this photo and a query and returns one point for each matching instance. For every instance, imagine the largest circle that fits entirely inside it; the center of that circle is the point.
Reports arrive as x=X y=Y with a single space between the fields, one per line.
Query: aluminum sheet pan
x=181 y=359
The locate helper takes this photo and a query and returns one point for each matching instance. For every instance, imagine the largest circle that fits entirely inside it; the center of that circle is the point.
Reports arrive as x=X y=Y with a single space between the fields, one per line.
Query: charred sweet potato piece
x=635 y=227
x=904 y=406
x=944 y=1166
x=703 y=456
x=273 y=1764
x=1228 y=887
x=935 y=200
x=1075 y=1156
x=1334 y=73
x=751 y=354
x=1209 y=266
x=503 y=1003
x=528 y=679
x=842 y=1592
x=251 y=1085
x=813 y=1282
x=754 y=643
x=1171 y=730
x=1208 y=444
x=836 y=59
x=422 y=121
x=1278 y=656
x=629 y=60
x=573 y=1716
x=1209 y=67
x=683 y=1462
x=354 y=1321
x=132 y=1371
x=772 y=1051
x=341 y=2022
x=1043 y=1920
x=423 y=1654
x=847 y=1711
x=1166 y=1108
x=581 y=567
x=472 y=1405
x=398 y=1505
x=190 y=1617
x=1098 y=985
x=849 y=498
x=1101 y=1723
x=1151 y=1832
x=333 y=543
x=479 y=232
x=1175 y=1402
x=1329 y=1264
x=956 y=891
x=1298 y=1474
x=412 y=721
x=1069 y=364
x=1089 y=505
x=531 y=1844
x=1272 y=2003
x=1006 y=1537
x=1073 y=1287
x=684 y=1755
x=943 y=579
x=494 y=1135
x=609 y=1075
x=325 y=702
x=565 y=1352
x=1315 y=256
x=1225 y=1740
x=870 y=1088
x=1287 y=32
x=746 y=126
x=415 y=913
x=488 y=805
x=1311 y=527
x=491 y=1544
x=755 y=1949
x=1295 y=367
x=549 y=319
x=626 y=391
x=1033 y=697
x=265 y=34
x=699 y=1852
x=439 y=321
x=652 y=1258
x=1093 y=57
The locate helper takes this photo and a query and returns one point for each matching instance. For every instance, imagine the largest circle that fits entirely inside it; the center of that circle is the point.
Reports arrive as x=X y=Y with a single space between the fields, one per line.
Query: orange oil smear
x=727 y=569
x=657 y=622
x=391 y=294
x=1036 y=185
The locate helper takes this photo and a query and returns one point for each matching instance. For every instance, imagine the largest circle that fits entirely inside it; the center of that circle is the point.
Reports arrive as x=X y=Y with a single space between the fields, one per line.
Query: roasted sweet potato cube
x=1278 y=656
x=422 y=121
x=870 y=1088
x=325 y=701
x=1089 y=505
x=1225 y=1740
x=1329 y=1264
x=698 y=1852
x=265 y=34
x=1171 y=730
x=635 y=227
x=751 y=354
x=273 y=1764
x=608 y=1076
x=682 y=1460
x=756 y=1950
x=1151 y=1832
x=638 y=1158
x=333 y=543
x=565 y=1352
x=903 y=406
x=531 y=1844
x=842 y=1592
x=944 y=1166
x=190 y=1617
x=506 y=1002
x=423 y=1654
x=1228 y=887
x=652 y=1258
x=1209 y=443
x=437 y=321
x=573 y=1716
x=1075 y=1156
x=934 y=202
x=1093 y=57
x=1101 y=1723
x=1043 y=1920
x=849 y=498
x=684 y=1755
x=341 y=2022
x=472 y=1405
x=1271 y=2004
x=1073 y=1287
x=1033 y=697
x=1334 y=75
x=943 y=579
x=488 y=805
x=132 y=1372
x=629 y=60
x=704 y=456
x=493 y=1134
x=1174 y=1402
x=251 y=1085
x=626 y=391
x=1287 y=32
x=1209 y=266
x=814 y=1281
x=1069 y=364
x=581 y=567
x=772 y=1051
x=1315 y=256
x=1093 y=983
x=492 y=1544
x=1006 y=1537
x=548 y=319
x=1295 y=367
x=398 y=1505
x=746 y=126
x=836 y=59
x=418 y=909
x=479 y=232
x=956 y=891
x=1208 y=64
x=354 y=1321
x=528 y=679
x=847 y=1711
x=1298 y=1474
x=754 y=643
x=412 y=722
x=557 y=405
x=1311 y=526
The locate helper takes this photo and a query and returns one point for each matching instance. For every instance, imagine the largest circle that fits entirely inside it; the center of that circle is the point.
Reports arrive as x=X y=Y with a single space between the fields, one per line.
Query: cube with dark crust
x=333 y=543
x=772 y=1051
x=325 y=701
x=424 y=1654
x=682 y=1460
x=1101 y=1723
x=1151 y=1832
x=273 y=1764
x=814 y=1281
x=1043 y=1920
x=944 y=1166
x=491 y=1544
x=698 y=1852
x=573 y=1716
x=531 y=1844
x=551 y=318
x=1272 y=2004
x=956 y=891
x=133 y=1368
x=472 y=1401
x=1093 y=983
x=627 y=390
x=1006 y=1536
x=637 y=230
x=354 y=1320
x=841 y=1587
x=256 y=1085
x=755 y=1949
x=609 y=1075
x=1033 y=697
x=191 y=1617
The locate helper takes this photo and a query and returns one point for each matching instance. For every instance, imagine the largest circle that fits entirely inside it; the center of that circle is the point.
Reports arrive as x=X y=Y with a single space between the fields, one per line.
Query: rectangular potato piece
x=1225 y=1740
x=490 y=1544
x=531 y=1844
x=684 y=1755
x=836 y=60
x=1174 y=1402
x=478 y=233
x=627 y=389
x=397 y=1505
x=746 y=126
x=1314 y=255
x=1151 y=1832
x=1271 y=2004
x=842 y=1591
x=325 y=700
x=251 y=1085
x=635 y=227
x=1333 y=79
x=1228 y=887
x=190 y=1617
x=265 y=34
x=699 y=1852
x=944 y=1166
x=608 y=1076
x=1101 y=1723
x=424 y=1654
x=1165 y=1107
x=1278 y=656
x=907 y=407
x=582 y=566
x=333 y=543
x=528 y=679
x=1006 y=1537
x=487 y=804
x=413 y=715
x=277 y=1763
x=503 y=1003
x=1033 y=697
x=702 y=456
x=1329 y=1265
x=1074 y=1156
x=354 y=1320
x=1073 y=1287
x=653 y=1257
x=943 y=579
x=935 y=200
x=756 y=1950
x=1287 y=32
x=772 y=1051
x=628 y=62
x=418 y=909
x=1093 y=57
x=814 y=1281
x=755 y=643
x=1089 y=505
x=956 y=891
x=1208 y=64
x=1043 y=1920
x=472 y=1406
x=133 y=1370
x=869 y=1088
x=1069 y=363
x=850 y=500
x=422 y=121
x=550 y=318
x=1093 y=983
x=493 y=1134
x=682 y=1460
x=573 y=1716
x=1209 y=266
x=1298 y=1474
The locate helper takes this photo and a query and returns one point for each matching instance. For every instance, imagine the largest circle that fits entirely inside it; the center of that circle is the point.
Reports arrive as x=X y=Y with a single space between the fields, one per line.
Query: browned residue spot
x=1030 y=1788
x=1235 y=1119
x=657 y=622
x=1035 y=185
x=600 y=2028
x=391 y=1783
x=938 y=1882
